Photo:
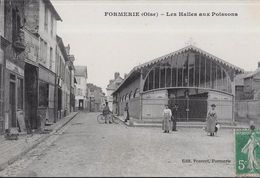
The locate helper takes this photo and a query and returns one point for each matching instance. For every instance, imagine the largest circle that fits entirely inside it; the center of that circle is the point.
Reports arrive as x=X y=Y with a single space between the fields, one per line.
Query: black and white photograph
x=134 y=88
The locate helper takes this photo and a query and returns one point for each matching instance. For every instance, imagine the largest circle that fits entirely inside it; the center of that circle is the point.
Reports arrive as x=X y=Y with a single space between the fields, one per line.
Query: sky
x=109 y=44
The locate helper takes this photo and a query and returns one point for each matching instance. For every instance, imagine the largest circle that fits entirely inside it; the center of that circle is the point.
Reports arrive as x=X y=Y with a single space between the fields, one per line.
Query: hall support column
x=141 y=93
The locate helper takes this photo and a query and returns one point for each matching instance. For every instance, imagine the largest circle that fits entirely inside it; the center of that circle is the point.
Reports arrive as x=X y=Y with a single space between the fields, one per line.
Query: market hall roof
x=185 y=49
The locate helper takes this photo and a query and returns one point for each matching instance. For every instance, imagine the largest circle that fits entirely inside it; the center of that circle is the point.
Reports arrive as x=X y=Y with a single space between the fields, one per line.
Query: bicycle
x=101 y=119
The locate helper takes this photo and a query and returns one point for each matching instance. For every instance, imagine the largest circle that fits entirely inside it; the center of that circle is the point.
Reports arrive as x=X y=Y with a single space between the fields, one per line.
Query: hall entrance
x=187 y=105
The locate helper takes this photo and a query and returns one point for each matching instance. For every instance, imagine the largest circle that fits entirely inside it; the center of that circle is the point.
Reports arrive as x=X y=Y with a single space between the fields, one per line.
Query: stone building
x=72 y=80
x=14 y=63
x=113 y=84
x=63 y=80
x=190 y=78
x=3 y=44
x=81 y=75
x=96 y=97
x=42 y=21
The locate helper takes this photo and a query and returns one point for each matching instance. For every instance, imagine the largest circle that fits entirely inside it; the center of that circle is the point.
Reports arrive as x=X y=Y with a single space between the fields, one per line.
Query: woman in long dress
x=249 y=149
x=211 y=120
x=167 y=114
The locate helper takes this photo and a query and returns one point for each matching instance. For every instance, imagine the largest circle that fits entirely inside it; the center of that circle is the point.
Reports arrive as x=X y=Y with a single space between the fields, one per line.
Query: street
x=86 y=148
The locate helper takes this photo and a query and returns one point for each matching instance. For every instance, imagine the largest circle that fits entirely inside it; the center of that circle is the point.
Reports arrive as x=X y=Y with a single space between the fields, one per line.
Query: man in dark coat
x=174 y=117
x=106 y=112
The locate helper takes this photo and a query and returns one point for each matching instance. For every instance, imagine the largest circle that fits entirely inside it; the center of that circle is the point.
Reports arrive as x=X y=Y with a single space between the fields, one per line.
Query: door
x=12 y=106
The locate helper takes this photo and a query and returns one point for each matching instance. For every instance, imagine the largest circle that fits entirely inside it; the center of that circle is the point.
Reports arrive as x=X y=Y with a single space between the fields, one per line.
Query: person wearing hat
x=211 y=120
x=167 y=114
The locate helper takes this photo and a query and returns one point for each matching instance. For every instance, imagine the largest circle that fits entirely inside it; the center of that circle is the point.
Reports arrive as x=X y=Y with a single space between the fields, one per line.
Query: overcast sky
x=117 y=44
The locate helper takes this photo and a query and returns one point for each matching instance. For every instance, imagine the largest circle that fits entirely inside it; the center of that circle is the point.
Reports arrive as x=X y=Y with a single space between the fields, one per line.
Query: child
x=217 y=127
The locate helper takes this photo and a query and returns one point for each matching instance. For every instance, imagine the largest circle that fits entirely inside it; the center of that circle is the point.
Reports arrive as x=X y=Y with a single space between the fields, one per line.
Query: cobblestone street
x=86 y=148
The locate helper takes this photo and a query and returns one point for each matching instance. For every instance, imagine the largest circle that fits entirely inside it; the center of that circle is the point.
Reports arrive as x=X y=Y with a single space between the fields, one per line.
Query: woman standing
x=211 y=120
x=126 y=112
x=167 y=114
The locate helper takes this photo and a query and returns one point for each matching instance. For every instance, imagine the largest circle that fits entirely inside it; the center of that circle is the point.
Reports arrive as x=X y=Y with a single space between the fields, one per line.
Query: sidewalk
x=12 y=150
x=136 y=123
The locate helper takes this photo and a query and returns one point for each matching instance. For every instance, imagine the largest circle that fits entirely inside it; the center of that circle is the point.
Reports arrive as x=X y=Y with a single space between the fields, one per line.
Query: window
x=15 y=24
x=46 y=19
x=20 y=93
x=43 y=94
x=43 y=53
x=51 y=26
x=188 y=70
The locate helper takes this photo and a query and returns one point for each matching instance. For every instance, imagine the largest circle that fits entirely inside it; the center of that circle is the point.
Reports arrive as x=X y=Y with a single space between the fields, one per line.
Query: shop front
x=46 y=96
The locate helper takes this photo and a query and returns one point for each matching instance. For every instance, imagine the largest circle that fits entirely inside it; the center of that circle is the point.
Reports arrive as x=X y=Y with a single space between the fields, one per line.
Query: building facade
x=63 y=80
x=3 y=44
x=113 y=84
x=14 y=64
x=42 y=21
x=81 y=76
x=96 y=97
x=189 y=79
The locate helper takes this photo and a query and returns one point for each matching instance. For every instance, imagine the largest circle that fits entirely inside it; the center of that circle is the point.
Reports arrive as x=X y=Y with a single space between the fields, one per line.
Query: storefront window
x=43 y=94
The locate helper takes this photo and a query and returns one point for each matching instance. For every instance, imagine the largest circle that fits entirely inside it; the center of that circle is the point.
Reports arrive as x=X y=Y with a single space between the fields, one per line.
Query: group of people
x=106 y=113
x=169 y=121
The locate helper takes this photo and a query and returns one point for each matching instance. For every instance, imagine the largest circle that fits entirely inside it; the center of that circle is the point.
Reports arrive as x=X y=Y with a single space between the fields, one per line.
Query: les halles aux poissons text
x=170 y=14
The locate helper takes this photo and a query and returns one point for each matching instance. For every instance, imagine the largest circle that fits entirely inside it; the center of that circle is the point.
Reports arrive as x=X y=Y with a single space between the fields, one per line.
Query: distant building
x=96 y=98
x=64 y=79
x=248 y=85
x=81 y=76
x=113 y=84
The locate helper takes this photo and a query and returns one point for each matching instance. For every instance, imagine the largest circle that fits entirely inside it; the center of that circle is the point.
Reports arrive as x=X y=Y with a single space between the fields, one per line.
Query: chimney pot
x=116 y=75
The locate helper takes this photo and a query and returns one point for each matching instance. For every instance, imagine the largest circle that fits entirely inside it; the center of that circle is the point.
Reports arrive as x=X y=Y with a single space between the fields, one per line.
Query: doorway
x=81 y=104
x=12 y=104
x=188 y=107
x=31 y=95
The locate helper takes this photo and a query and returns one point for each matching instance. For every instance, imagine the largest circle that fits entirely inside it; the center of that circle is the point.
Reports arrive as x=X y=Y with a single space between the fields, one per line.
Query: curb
x=133 y=124
x=37 y=142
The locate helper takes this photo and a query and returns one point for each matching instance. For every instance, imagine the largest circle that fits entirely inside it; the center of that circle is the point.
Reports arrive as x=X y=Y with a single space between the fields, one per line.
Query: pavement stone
x=12 y=150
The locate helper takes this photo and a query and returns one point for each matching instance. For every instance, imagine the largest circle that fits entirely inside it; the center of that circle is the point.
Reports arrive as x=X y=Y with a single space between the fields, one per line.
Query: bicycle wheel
x=101 y=119
x=115 y=119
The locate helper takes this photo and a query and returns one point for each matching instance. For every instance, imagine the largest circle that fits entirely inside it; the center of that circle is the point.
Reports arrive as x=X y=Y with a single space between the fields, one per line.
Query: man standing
x=106 y=112
x=174 y=117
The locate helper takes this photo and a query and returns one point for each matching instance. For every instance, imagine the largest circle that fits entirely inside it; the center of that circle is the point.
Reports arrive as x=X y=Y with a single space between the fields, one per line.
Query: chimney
x=125 y=76
x=258 y=64
x=116 y=75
